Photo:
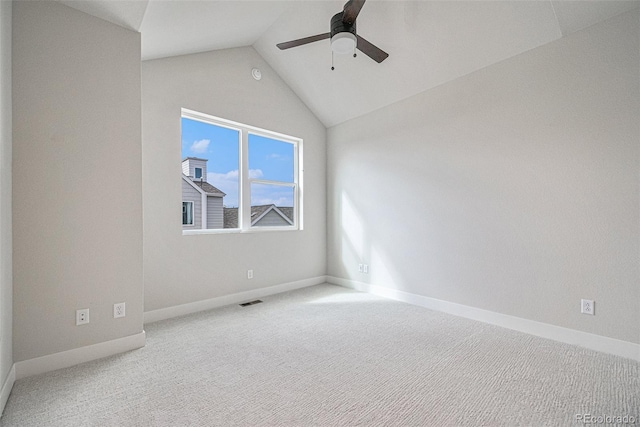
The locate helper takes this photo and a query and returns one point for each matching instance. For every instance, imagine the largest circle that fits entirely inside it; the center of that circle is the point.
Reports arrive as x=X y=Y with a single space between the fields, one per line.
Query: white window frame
x=244 y=184
x=195 y=173
x=193 y=216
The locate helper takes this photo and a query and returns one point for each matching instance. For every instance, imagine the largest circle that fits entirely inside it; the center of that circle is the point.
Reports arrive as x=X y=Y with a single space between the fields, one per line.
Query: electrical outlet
x=118 y=310
x=366 y=269
x=249 y=274
x=587 y=306
x=82 y=317
x=360 y=268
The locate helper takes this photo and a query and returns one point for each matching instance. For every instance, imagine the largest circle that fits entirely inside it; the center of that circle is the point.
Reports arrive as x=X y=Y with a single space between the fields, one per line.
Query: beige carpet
x=329 y=356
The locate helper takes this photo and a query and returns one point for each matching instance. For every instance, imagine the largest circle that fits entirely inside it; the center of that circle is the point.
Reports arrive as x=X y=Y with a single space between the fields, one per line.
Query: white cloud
x=282 y=201
x=255 y=173
x=200 y=146
x=229 y=175
x=275 y=156
x=271 y=195
x=227 y=183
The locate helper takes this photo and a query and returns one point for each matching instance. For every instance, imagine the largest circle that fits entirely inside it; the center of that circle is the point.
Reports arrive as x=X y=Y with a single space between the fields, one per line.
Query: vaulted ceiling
x=429 y=42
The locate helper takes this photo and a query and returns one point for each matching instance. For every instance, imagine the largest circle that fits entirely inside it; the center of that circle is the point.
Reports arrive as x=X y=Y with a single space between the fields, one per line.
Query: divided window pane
x=271 y=159
x=272 y=175
x=210 y=168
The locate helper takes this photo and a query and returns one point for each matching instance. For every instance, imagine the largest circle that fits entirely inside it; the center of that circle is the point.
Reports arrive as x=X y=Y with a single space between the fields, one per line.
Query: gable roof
x=257 y=212
x=287 y=211
x=204 y=187
x=208 y=188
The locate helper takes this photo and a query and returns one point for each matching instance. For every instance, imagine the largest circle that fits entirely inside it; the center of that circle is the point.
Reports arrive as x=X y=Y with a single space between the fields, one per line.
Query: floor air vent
x=250 y=303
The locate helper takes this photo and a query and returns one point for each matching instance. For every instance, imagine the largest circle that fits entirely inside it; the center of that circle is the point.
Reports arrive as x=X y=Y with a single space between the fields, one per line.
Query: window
x=273 y=183
x=187 y=213
x=245 y=178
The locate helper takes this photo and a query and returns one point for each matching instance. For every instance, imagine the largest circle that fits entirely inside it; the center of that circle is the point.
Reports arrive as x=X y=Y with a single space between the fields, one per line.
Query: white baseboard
x=65 y=359
x=6 y=387
x=557 y=333
x=194 y=307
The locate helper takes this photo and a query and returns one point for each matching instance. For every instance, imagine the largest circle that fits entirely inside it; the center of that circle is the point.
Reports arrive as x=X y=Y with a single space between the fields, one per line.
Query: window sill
x=238 y=231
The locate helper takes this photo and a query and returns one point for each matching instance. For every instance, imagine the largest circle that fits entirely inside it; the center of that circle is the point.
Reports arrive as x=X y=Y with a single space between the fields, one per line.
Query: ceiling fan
x=344 y=38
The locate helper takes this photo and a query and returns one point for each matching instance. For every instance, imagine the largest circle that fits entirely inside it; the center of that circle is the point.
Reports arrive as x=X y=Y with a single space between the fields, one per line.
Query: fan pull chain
x=332 y=67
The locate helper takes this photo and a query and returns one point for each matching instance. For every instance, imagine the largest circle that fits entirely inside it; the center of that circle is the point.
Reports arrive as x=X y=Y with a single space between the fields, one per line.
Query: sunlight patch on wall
x=352 y=225
x=382 y=272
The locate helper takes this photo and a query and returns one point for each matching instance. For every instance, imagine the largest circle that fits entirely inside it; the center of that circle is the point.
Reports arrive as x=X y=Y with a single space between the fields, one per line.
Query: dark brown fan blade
x=300 y=42
x=371 y=50
x=351 y=11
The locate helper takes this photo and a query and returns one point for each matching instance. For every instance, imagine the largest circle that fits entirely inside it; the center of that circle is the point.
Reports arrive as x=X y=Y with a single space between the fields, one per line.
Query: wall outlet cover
x=119 y=310
x=587 y=306
x=82 y=316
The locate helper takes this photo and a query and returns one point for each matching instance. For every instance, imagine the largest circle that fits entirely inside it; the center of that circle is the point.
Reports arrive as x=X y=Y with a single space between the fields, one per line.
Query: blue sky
x=269 y=159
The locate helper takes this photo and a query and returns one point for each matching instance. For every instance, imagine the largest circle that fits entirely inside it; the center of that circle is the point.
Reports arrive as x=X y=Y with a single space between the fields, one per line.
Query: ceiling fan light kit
x=343 y=43
x=343 y=36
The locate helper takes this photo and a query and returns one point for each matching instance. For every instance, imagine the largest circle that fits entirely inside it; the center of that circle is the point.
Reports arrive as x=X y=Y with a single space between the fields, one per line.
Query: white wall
x=6 y=280
x=77 y=186
x=182 y=269
x=514 y=189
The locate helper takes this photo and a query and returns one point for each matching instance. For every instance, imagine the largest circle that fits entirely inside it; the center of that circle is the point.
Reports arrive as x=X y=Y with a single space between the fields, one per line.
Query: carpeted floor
x=329 y=356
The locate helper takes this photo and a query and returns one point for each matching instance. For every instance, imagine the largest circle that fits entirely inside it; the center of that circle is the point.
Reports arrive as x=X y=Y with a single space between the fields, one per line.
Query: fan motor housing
x=338 y=26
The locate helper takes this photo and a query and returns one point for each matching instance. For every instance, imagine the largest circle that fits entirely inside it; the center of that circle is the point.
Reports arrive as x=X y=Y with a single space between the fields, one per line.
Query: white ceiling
x=429 y=42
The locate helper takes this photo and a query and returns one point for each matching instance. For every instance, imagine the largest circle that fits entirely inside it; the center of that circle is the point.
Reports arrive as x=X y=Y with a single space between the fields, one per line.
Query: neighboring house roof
x=230 y=217
x=204 y=187
x=194 y=158
x=287 y=211
x=208 y=188
x=257 y=212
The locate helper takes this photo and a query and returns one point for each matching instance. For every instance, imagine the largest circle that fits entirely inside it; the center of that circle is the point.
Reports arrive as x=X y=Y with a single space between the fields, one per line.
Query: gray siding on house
x=190 y=164
x=271 y=219
x=214 y=212
x=190 y=194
